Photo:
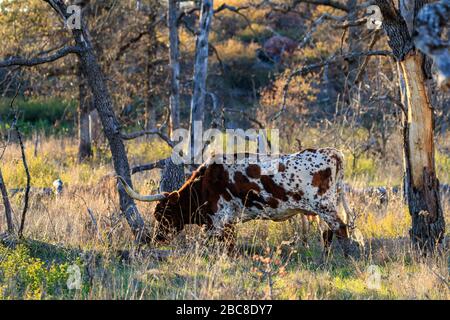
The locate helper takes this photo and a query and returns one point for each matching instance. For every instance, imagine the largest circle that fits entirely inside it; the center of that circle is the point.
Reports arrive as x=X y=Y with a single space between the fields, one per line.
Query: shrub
x=24 y=276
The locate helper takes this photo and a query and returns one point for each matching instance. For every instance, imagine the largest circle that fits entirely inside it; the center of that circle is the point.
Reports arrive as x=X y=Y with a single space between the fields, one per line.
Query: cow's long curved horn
x=133 y=194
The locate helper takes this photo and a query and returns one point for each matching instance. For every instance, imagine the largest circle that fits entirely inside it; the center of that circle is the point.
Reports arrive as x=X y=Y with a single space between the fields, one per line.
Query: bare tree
x=421 y=183
x=174 y=53
x=200 y=70
x=102 y=101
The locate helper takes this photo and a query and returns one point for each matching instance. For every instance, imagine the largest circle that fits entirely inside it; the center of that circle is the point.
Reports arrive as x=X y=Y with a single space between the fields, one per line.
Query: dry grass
x=270 y=263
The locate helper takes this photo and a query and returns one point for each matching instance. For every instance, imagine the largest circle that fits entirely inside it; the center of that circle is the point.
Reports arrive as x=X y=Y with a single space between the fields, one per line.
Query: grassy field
x=271 y=263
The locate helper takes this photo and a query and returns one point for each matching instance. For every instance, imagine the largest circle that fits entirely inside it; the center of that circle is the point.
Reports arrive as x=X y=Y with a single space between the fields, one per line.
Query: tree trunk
x=200 y=74
x=150 y=112
x=84 y=138
x=103 y=103
x=421 y=183
x=172 y=176
x=174 y=67
x=7 y=205
x=422 y=187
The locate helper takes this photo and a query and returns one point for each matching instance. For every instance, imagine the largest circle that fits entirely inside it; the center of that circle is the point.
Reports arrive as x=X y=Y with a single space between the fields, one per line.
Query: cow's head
x=167 y=211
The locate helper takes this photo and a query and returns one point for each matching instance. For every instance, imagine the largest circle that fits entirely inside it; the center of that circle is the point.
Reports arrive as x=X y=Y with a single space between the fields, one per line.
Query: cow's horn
x=133 y=194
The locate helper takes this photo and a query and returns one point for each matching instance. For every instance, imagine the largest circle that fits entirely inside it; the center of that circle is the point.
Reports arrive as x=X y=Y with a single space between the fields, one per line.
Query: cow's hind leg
x=226 y=235
x=327 y=237
x=305 y=230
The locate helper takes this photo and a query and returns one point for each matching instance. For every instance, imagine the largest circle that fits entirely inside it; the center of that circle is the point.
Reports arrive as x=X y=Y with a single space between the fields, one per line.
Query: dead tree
x=200 y=72
x=174 y=62
x=102 y=101
x=151 y=52
x=421 y=183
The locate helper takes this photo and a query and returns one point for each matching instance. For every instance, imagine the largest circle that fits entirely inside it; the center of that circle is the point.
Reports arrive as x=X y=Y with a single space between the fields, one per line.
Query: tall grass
x=60 y=232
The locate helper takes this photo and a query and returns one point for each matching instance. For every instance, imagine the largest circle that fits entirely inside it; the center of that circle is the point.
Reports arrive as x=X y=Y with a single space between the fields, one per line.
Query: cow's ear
x=173 y=196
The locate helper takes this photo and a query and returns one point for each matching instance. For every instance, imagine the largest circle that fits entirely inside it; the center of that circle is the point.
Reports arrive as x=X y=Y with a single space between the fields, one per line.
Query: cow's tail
x=350 y=215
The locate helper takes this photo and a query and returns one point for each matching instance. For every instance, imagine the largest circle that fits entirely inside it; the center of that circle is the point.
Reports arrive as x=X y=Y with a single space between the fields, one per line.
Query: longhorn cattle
x=219 y=194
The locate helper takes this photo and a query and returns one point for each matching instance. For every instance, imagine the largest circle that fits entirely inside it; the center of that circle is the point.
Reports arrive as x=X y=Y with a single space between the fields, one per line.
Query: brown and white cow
x=219 y=194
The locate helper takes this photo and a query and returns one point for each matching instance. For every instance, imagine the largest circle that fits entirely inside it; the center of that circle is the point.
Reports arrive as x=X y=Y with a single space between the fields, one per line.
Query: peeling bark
x=428 y=226
x=421 y=183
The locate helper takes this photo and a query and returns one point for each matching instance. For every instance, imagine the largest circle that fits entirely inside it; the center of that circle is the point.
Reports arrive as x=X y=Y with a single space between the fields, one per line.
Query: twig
x=315 y=66
x=27 y=171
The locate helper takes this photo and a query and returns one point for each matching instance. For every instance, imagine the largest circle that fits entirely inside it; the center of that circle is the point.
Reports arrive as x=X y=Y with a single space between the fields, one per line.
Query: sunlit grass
x=193 y=270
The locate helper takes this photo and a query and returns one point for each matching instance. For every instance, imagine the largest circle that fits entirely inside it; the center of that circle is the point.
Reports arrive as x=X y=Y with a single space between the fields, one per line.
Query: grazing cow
x=219 y=194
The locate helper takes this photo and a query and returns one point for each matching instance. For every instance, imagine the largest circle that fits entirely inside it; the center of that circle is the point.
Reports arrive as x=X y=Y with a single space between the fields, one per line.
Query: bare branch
x=21 y=61
x=129 y=43
x=315 y=66
x=134 y=135
x=373 y=41
x=245 y=114
x=149 y=166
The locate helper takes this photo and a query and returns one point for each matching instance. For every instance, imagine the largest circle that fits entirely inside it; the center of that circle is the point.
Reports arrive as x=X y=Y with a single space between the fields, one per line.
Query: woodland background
x=345 y=94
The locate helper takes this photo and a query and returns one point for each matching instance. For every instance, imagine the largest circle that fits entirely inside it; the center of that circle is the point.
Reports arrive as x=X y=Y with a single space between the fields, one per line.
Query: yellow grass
x=60 y=233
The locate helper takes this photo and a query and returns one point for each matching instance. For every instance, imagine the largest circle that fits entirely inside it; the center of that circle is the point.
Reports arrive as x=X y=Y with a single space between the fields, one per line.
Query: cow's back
x=273 y=188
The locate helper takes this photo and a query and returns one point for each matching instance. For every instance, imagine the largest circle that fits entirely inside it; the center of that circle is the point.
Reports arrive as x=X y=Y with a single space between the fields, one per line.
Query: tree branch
x=134 y=135
x=149 y=166
x=328 y=3
x=245 y=114
x=21 y=61
x=315 y=66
